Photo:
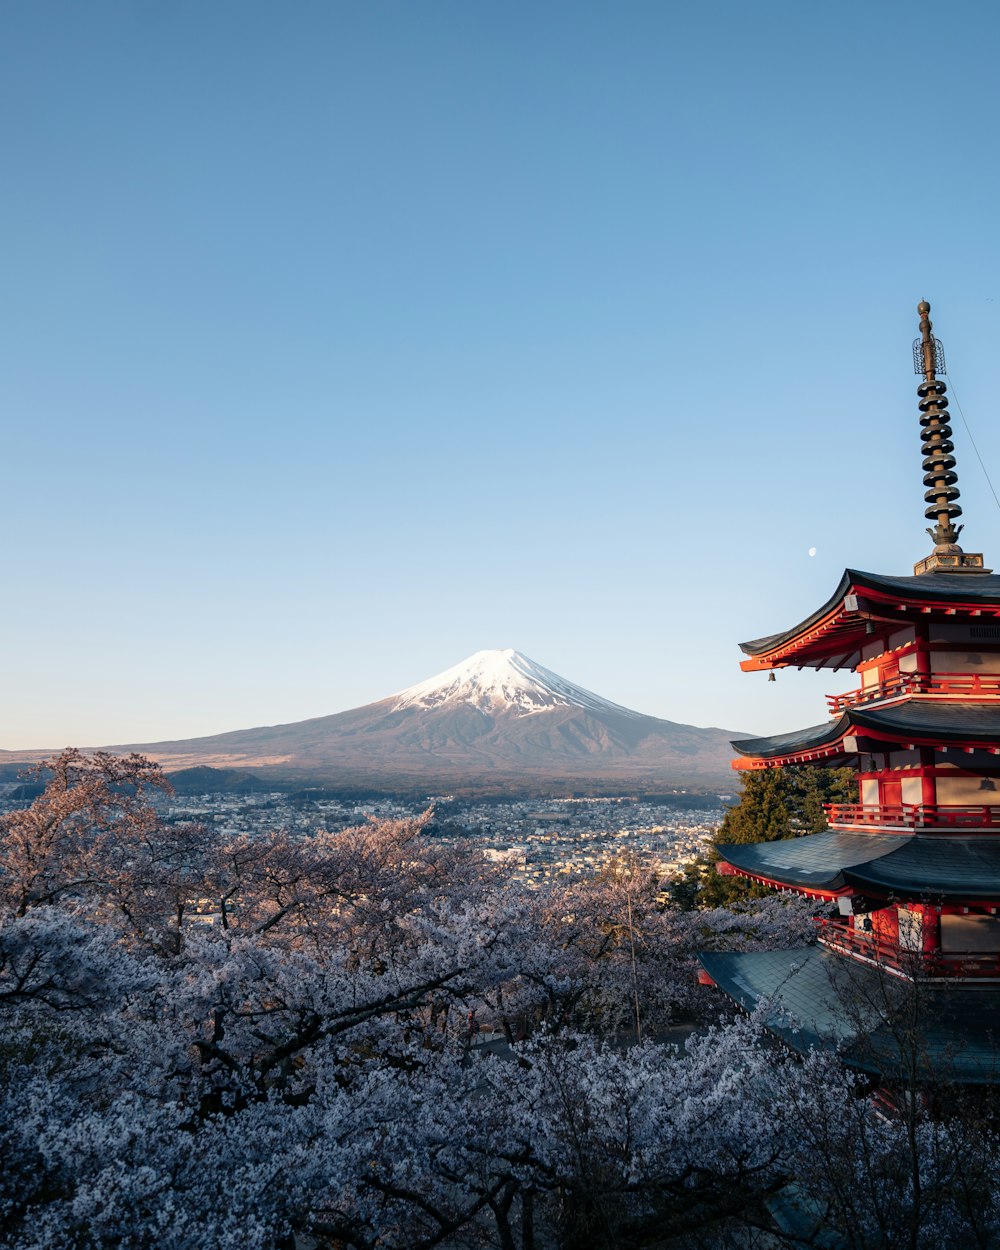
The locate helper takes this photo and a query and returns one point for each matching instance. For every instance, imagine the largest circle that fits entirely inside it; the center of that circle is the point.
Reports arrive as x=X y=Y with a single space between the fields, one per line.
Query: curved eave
x=832 y=637
x=930 y=867
x=815 y=864
x=824 y=742
x=830 y=621
x=815 y=998
x=806 y=891
x=916 y=722
x=799 y=986
x=936 y=868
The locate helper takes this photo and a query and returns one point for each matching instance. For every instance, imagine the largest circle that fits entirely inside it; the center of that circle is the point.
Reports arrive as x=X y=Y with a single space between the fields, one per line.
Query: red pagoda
x=911 y=870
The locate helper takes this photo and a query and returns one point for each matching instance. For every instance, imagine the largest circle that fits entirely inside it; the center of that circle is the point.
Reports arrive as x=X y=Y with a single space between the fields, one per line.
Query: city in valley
x=536 y=839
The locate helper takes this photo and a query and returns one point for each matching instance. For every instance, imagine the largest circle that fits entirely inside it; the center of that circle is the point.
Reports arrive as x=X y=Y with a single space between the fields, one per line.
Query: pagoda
x=911 y=869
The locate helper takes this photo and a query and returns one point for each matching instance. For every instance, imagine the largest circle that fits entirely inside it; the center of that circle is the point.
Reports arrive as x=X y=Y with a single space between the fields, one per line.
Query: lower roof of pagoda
x=817 y=999
x=833 y=636
x=927 y=722
x=933 y=867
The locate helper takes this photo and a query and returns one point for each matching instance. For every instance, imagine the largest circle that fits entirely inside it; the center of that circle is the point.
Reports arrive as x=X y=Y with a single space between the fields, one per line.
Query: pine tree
x=764 y=812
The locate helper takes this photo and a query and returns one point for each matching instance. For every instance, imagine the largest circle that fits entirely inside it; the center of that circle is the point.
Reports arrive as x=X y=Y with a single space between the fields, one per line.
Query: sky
x=342 y=340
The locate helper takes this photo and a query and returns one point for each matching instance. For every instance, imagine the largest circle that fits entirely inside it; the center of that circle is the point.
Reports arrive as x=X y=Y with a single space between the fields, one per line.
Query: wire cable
x=968 y=430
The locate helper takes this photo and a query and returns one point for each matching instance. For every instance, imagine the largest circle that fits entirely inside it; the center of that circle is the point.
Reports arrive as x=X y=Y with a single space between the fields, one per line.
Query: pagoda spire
x=940 y=477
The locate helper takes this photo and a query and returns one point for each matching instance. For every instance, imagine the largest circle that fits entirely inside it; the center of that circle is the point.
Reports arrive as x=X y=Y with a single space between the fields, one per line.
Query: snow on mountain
x=497 y=721
x=502 y=680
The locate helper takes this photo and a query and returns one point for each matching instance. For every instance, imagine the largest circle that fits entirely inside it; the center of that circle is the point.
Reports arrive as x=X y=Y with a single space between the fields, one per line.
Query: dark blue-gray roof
x=816 y=861
x=917 y=718
x=981 y=589
x=931 y=866
x=817 y=999
x=934 y=866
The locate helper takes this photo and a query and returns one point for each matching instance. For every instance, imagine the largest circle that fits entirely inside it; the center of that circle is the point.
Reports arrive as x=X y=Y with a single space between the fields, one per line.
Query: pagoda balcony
x=955 y=685
x=914 y=816
x=898 y=961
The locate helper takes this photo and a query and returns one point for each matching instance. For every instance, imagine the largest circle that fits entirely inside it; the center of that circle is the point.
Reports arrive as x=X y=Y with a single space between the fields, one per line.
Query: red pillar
x=928 y=788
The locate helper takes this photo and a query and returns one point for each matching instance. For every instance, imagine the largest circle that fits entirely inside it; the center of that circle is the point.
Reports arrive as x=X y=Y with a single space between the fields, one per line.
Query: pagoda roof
x=915 y=720
x=815 y=862
x=817 y=999
x=832 y=637
x=934 y=866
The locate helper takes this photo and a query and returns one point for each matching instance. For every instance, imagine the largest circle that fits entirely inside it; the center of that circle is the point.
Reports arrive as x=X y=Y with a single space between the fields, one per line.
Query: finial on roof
x=928 y=353
x=940 y=477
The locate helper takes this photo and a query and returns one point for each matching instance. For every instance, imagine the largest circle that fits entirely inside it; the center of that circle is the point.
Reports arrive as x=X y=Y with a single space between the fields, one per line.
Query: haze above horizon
x=343 y=342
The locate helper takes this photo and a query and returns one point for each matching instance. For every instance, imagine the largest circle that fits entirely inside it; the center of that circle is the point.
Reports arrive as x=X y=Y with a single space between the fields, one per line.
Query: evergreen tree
x=764 y=812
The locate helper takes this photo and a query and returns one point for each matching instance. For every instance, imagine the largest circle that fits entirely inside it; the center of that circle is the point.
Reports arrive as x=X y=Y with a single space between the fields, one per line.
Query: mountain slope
x=496 y=718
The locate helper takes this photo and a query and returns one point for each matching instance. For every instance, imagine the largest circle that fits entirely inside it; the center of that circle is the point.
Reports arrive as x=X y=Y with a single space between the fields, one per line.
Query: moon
x=812 y=551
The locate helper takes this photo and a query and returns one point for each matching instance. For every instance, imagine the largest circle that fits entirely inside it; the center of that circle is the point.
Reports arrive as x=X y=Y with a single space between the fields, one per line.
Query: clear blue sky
x=343 y=340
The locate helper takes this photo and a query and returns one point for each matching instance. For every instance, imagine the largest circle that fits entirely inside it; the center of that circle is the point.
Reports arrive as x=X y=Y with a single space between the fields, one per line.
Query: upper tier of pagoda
x=870 y=607
x=913 y=865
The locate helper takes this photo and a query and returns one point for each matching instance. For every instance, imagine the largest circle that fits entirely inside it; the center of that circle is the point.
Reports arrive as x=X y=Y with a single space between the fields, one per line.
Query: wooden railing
x=889 y=955
x=985 y=686
x=913 y=815
x=870 y=947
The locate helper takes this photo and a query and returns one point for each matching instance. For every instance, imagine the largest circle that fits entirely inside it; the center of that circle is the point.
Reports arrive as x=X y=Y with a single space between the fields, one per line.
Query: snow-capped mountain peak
x=502 y=680
x=488 y=725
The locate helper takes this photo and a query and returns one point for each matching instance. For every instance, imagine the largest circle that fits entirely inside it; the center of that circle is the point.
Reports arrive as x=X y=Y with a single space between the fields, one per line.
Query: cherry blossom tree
x=302 y=1074
x=52 y=851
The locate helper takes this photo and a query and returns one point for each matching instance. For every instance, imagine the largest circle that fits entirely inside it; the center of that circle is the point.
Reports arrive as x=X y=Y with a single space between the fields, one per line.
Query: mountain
x=496 y=721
